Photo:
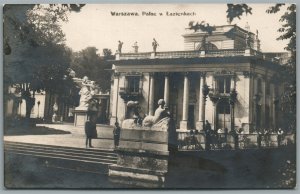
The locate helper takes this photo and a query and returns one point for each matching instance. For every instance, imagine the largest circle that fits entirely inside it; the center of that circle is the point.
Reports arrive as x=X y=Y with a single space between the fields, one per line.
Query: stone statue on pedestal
x=86 y=92
x=143 y=151
x=55 y=109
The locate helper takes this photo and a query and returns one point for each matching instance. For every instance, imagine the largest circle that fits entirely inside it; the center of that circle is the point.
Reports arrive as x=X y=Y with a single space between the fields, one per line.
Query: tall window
x=223 y=108
x=133 y=84
x=223 y=84
x=259 y=86
x=268 y=88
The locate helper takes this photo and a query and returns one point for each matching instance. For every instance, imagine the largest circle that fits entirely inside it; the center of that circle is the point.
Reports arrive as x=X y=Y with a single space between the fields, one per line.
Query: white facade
x=179 y=77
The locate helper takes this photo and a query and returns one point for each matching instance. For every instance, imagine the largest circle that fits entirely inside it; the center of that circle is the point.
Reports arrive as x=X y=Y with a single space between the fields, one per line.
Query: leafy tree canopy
x=88 y=63
x=35 y=56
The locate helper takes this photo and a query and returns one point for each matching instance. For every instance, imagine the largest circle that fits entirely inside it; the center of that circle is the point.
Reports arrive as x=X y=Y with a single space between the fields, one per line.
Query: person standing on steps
x=90 y=130
x=116 y=133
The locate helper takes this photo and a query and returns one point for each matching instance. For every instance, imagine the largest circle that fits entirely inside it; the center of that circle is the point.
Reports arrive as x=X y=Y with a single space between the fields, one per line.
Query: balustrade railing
x=178 y=54
x=223 y=141
x=223 y=53
x=192 y=54
x=127 y=56
x=183 y=54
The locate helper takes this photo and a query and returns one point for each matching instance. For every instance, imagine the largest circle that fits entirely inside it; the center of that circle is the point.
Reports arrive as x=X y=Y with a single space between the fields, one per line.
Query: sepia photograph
x=149 y=96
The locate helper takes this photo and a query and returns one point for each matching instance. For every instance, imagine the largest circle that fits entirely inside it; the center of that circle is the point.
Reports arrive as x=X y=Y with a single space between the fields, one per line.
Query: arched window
x=208 y=46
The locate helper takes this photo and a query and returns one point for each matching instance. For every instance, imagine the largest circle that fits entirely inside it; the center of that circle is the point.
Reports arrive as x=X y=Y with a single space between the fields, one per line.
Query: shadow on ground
x=33 y=131
x=235 y=169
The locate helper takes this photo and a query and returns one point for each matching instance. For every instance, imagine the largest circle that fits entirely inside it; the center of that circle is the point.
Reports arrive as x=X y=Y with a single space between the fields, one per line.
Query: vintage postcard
x=151 y=96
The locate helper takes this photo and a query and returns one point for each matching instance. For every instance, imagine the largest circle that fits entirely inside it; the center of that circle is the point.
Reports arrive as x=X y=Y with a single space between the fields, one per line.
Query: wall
x=242 y=104
x=145 y=92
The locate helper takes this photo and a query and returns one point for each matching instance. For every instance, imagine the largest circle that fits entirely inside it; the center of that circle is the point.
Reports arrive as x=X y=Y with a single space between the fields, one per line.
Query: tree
x=288 y=32
x=88 y=63
x=35 y=55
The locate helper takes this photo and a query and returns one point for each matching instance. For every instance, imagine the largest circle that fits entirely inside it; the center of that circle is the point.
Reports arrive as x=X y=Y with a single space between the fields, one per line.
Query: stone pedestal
x=247 y=52
x=113 y=120
x=183 y=125
x=199 y=125
x=142 y=158
x=80 y=116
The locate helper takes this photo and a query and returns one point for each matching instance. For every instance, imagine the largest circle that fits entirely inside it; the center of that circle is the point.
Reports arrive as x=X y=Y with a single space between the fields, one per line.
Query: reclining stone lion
x=160 y=113
x=159 y=121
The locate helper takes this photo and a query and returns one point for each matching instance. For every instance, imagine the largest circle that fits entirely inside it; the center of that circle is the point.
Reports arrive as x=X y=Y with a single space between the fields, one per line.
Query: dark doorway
x=223 y=112
x=159 y=85
x=258 y=116
x=191 y=117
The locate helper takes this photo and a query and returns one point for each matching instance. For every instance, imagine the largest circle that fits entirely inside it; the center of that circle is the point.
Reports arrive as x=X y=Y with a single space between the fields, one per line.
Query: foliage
x=201 y=26
x=288 y=32
x=35 y=55
x=237 y=10
x=88 y=63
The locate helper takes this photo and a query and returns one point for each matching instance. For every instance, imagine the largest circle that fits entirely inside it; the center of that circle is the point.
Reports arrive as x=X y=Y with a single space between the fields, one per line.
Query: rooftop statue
x=248 y=40
x=154 y=45
x=135 y=47
x=120 y=46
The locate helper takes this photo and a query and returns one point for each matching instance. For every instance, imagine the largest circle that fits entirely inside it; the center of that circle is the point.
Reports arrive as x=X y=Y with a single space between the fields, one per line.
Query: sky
x=95 y=26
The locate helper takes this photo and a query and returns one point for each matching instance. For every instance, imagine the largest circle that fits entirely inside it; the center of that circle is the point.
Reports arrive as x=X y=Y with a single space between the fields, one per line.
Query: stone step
x=62 y=153
x=54 y=163
x=61 y=148
x=45 y=152
x=136 y=177
x=69 y=141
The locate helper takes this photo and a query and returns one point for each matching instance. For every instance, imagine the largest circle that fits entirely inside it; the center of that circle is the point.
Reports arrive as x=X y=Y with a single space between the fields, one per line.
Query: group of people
x=91 y=132
x=135 y=46
x=214 y=138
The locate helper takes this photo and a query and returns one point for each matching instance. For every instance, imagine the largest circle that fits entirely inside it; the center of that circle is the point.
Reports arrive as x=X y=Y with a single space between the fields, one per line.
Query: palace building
x=222 y=77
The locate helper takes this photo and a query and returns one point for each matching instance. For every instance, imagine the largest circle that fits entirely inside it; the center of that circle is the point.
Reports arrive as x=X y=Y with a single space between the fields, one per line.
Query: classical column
x=232 y=83
x=215 y=117
x=166 y=90
x=184 y=122
x=263 y=106
x=214 y=99
x=151 y=95
x=114 y=110
x=201 y=116
x=274 y=102
x=232 y=100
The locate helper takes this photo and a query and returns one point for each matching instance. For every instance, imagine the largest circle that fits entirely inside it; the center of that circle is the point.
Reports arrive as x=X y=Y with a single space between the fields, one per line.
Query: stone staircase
x=79 y=159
